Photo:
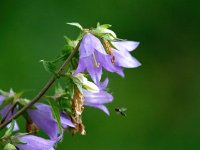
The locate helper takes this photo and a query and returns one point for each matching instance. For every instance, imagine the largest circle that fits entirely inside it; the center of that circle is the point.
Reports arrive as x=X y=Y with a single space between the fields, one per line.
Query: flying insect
x=121 y=111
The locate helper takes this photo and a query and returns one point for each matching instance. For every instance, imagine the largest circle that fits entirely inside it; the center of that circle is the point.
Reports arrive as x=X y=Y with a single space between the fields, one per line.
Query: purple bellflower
x=31 y=142
x=93 y=57
x=43 y=118
x=122 y=55
x=5 y=110
x=97 y=100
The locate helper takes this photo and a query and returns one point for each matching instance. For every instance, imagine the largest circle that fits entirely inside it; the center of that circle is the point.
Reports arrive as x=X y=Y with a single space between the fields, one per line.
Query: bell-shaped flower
x=98 y=100
x=42 y=116
x=122 y=55
x=31 y=142
x=93 y=56
x=4 y=111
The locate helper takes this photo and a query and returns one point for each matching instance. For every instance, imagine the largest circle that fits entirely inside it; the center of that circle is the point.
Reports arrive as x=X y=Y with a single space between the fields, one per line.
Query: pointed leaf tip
x=76 y=25
x=56 y=113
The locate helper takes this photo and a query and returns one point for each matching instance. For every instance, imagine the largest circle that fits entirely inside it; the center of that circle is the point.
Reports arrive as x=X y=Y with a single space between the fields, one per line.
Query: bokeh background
x=162 y=96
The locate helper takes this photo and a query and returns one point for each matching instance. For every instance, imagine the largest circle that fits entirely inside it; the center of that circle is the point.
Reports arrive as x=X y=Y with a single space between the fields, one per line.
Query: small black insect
x=121 y=111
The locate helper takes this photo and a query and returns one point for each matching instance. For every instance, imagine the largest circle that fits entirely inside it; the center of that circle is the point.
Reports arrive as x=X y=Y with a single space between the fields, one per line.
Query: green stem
x=43 y=90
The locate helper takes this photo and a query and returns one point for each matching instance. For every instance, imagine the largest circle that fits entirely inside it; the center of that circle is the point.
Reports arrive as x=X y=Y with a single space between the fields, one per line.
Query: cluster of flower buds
x=98 y=50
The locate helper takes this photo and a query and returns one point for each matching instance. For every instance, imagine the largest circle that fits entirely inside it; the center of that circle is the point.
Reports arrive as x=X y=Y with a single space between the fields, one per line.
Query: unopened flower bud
x=90 y=86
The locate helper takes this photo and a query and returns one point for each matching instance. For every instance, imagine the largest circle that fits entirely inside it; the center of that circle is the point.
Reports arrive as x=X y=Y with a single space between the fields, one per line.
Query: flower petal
x=102 y=107
x=43 y=118
x=66 y=121
x=81 y=67
x=126 y=45
x=105 y=62
x=96 y=44
x=35 y=143
x=94 y=71
x=124 y=59
x=1 y=99
x=3 y=113
x=103 y=85
x=89 y=44
x=97 y=98
x=16 y=126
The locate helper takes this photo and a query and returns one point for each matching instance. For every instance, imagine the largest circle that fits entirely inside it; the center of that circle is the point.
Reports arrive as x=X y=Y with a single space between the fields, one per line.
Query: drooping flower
x=122 y=55
x=43 y=118
x=98 y=100
x=31 y=142
x=93 y=56
x=4 y=111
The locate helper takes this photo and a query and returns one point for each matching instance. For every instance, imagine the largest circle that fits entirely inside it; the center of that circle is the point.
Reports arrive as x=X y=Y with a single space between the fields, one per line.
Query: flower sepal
x=103 y=31
x=8 y=132
x=9 y=146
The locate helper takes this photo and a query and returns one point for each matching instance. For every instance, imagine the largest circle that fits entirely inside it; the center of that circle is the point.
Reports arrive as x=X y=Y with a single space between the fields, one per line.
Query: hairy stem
x=43 y=90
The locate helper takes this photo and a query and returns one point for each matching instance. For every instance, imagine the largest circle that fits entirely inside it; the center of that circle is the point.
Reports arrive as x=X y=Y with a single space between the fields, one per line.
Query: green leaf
x=3 y=93
x=69 y=42
x=105 y=26
x=59 y=90
x=49 y=66
x=66 y=105
x=9 y=131
x=56 y=113
x=76 y=25
x=78 y=83
x=9 y=147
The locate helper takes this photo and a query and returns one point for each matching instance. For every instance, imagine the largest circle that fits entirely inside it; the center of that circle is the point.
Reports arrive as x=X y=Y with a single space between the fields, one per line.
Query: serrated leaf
x=49 y=66
x=56 y=113
x=76 y=25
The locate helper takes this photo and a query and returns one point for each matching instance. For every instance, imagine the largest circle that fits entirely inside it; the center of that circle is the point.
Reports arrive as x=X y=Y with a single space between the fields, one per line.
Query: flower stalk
x=43 y=90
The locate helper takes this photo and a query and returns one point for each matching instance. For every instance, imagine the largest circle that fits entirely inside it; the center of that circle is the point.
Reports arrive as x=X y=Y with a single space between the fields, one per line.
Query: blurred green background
x=162 y=96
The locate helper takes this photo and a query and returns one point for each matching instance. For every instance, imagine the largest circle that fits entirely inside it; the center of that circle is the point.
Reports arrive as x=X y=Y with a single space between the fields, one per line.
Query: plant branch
x=43 y=90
